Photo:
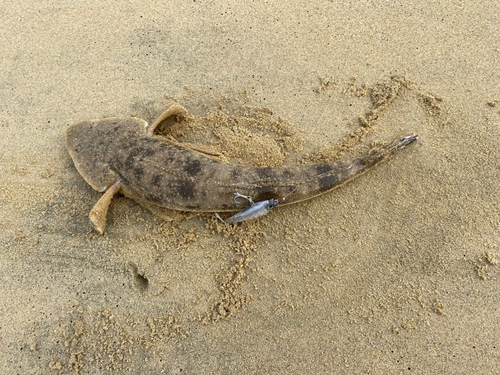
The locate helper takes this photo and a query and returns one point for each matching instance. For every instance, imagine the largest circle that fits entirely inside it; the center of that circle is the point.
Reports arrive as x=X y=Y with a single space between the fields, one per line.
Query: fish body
x=159 y=173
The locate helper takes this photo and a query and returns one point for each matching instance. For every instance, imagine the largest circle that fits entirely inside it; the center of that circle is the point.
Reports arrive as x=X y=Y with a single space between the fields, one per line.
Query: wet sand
x=395 y=272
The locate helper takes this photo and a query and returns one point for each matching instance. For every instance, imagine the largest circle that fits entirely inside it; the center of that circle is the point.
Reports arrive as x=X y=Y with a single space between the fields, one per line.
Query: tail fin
x=319 y=179
x=407 y=140
x=396 y=146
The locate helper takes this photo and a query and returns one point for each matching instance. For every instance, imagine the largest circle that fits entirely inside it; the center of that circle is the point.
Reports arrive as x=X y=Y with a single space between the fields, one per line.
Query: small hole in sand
x=140 y=281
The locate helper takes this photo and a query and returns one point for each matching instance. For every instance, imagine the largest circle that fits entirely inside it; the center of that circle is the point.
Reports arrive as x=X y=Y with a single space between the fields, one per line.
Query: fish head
x=91 y=143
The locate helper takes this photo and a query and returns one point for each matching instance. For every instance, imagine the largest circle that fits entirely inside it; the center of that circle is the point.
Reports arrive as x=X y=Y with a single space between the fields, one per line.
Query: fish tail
x=326 y=177
x=406 y=140
x=394 y=147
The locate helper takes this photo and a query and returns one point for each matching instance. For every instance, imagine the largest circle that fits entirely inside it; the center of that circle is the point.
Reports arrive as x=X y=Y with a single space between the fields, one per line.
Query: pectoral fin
x=99 y=212
x=173 y=110
x=208 y=151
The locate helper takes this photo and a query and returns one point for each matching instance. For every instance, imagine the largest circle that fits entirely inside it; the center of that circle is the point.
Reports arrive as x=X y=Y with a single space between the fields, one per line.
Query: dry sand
x=396 y=272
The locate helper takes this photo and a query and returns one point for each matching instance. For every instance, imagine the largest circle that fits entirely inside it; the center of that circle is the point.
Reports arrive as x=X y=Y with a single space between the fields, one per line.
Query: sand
x=396 y=272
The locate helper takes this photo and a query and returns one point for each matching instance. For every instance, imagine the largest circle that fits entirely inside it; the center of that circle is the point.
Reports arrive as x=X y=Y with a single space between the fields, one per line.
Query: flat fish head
x=90 y=144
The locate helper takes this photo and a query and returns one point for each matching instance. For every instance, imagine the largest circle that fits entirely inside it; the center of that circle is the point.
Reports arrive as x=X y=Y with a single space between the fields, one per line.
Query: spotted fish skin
x=157 y=172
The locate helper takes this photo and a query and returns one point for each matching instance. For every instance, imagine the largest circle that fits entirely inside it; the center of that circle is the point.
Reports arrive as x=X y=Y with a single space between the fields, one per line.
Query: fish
x=123 y=155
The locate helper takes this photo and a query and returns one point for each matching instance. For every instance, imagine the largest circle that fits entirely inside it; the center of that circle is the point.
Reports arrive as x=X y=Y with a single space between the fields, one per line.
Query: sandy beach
x=396 y=272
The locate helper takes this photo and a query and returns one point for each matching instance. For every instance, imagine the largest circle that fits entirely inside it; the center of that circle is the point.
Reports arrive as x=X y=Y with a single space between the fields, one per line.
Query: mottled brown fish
x=123 y=155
